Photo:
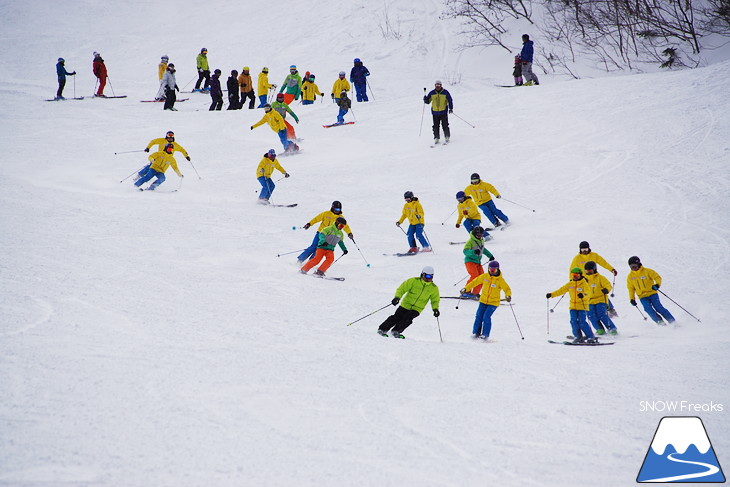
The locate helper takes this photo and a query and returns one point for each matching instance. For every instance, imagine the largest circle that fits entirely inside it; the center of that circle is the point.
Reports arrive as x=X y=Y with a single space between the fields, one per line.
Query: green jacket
x=283 y=108
x=329 y=237
x=472 y=245
x=417 y=293
x=202 y=62
x=292 y=84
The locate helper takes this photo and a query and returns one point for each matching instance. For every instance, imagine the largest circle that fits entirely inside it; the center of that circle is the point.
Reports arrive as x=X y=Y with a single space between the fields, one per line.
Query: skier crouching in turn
x=328 y=238
x=416 y=293
x=160 y=162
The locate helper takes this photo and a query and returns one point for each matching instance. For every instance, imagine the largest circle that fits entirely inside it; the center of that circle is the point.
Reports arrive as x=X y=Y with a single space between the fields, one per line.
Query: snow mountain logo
x=681 y=452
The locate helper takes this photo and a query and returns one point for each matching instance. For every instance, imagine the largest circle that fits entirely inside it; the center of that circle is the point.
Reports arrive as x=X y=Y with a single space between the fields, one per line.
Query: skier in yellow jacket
x=493 y=284
x=310 y=91
x=413 y=211
x=585 y=254
x=161 y=143
x=325 y=219
x=276 y=122
x=341 y=84
x=264 y=86
x=161 y=68
x=578 y=290
x=468 y=211
x=480 y=192
x=598 y=289
x=263 y=174
x=645 y=283
x=160 y=161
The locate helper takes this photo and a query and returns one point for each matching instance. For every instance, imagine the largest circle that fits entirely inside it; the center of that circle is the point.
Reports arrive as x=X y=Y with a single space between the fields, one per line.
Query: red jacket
x=99 y=68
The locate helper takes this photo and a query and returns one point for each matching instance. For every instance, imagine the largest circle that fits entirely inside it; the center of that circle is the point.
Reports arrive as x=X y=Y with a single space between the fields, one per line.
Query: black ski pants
x=440 y=118
x=217 y=103
x=169 y=97
x=245 y=96
x=233 y=103
x=61 y=84
x=203 y=75
x=400 y=320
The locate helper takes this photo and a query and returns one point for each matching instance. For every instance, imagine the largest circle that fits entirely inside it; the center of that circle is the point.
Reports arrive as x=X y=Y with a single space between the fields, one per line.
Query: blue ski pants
x=341 y=115
x=483 y=319
x=361 y=91
x=262 y=100
x=655 y=310
x=491 y=211
x=310 y=251
x=469 y=224
x=416 y=231
x=149 y=174
x=578 y=323
x=284 y=140
x=598 y=314
x=267 y=187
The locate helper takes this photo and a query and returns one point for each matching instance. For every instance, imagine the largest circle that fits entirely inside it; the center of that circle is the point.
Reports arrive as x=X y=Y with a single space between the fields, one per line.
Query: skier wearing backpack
x=473 y=251
x=492 y=284
x=413 y=211
x=326 y=218
x=415 y=293
x=328 y=238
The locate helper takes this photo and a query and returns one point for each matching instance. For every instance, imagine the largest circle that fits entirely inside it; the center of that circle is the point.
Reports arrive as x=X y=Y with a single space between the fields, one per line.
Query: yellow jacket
x=596 y=282
x=640 y=282
x=162 y=142
x=162 y=160
x=580 y=261
x=310 y=89
x=491 y=286
x=328 y=219
x=264 y=85
x=480 y=192
x=244 y=81
x=161 y=68
x=340 y=84
x=414 y=212
x=267 y=166
x=467 y=209
x=574 y=288
x=275 y=121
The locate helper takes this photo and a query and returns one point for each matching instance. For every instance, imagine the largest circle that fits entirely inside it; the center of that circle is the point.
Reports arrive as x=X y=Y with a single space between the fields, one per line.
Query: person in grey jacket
x=170 y=84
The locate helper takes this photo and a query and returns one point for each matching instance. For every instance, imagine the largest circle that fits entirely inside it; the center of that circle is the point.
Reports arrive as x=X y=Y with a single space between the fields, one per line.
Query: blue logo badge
x=681 y=452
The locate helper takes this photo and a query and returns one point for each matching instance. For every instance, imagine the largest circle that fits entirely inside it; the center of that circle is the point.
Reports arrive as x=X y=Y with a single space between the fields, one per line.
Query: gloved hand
x=604 y=290
x=243 y=84
x=182 y=175
x=73 y=74
x=463 y=290
x=436 y=313
x=286 y=174
x=580 y=295
x=351 y=236
x=187 y=157
x=397 y=224
x=499 y=196
x=425 y=99
x=274 y=86
x=177 y=88
x=306 y=226
x=466 y=212
x=478 y=252
x=508 y=299
x=491 y=258
x=344 y=252
x=451 y=110
x=333 y=96
x=251 y=127
x=200 y=70
x=633 y=302
x=395 y=301
x=146 y=149
x=655 y=287
x=549 y=295
x=615 y=272
x=458 y=225
x=296 y=120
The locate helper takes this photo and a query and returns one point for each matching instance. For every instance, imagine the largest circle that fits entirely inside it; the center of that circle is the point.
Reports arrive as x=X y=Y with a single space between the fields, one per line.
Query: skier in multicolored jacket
x=160 y=161
x=441 y=106
x=340 y=85
x=480 y=191
x=598 y=289
x=201 y=63
x=292 y=85
x=310 y=91
x=264 y=86
x=326 y=218
x=578 y=290
x=645 y=283
x=276 y=122
x=328 y=238
x=283 y=108
x=473 y=251
x=491 y=283
x=413 y=211
x=263 y=174
x=468 y=211
x=416 y=292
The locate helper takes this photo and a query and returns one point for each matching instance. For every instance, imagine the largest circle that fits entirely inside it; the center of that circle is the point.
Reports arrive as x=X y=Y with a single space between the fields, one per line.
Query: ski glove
x=615 y=272
x=451 y=110
x=73 y=74
x=633 y=302
x=251 y=127
x=344 y=252
x=395 y=301
x=187 y=157
x=436 y=313
x=580 y=295
x=549 y=295
x=604 y=290
x=397 y=224
x=491 y=258
x=655 y=287
x=147 y=149
x=306 y=226
x=458 y=226
x=499 y=196
x=508 y=299
x=286 y=174
x=352 y=237
x=463 y=290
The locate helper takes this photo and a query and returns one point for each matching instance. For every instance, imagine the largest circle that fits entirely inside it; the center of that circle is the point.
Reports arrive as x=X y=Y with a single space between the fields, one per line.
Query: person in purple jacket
x=358 y=75
x=215 y=91
x=526 y=55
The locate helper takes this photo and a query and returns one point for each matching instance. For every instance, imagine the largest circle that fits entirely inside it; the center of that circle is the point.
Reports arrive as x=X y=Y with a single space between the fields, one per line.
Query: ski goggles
x=634 y=267
x=576 y=275
x=428 y=277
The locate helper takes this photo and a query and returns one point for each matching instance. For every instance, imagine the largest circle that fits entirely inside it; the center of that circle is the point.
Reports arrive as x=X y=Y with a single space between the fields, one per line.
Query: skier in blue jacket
x=62 y=73
x=357 y=77
x=526 y=55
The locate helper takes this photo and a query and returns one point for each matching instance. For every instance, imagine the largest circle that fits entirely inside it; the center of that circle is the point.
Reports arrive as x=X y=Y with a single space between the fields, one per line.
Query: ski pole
x=438 y=324
x=457 y=282
x=74 y=87
x=292 y=252
x=693 y=316
x=353 y=114
x=642 y=314
x=95 y=85
x=371 y=92
x=423 y=112
x=472 y=126
x=458 y=301
x=128 y=152
x=369 y=314
x=363 y=255
x=523 y=206
x=401 y=229
x=186 y=84
x=613 y=286
x=135 y=172
x=429 y=241
x=552 y=310
x=196 y=171
x=449 y=216
x=338 y=258
x=110 y=85
x=516 y=322
x=547 y=301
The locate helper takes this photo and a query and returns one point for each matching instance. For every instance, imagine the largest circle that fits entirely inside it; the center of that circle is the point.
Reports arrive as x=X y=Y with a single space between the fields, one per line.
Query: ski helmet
x=427 y=270
x=265 y=70
x=171 y=67
x=170 y=134
x=357 y=60
x=311 y=77
x=267 y=108
x=203 y=51
x=494 y=265
x=576 y=270
x=280 y=97
x=61 y=60
x=271 y=152
x=590 y=266
x=342 y=73
x=293 y=66
x=634 y=260
x=341 y=221
x=165 y=58
x=438 y=82
x=217 y=71
x=475 y=177
x=336 y=205
x=460 y=195
x=408 y=195
x=477 y=231
x=170 y=148
x=584 y=245
x=234 y=73
x=246 y=68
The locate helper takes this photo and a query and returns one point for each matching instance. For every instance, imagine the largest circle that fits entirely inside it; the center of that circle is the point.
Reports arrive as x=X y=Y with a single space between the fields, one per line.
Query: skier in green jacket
x=416 y=293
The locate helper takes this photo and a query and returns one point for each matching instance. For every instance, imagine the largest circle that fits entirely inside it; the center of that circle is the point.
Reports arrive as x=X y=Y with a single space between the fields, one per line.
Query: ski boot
x=579 y=340
x=396 y=334
x=435 y=141
x=426 y=249
x=600 y=331
x=382 y=333
x=319 y=273
x=591 y=340
x=613 y=331
x=413 y=250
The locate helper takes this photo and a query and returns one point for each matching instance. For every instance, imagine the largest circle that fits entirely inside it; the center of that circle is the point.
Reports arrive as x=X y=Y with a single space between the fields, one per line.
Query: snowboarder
x=283 y=108
x=276 y=123
x=345 y=104
x=526 y=56
x=232 y=87
x=161 y=143
x=170 y=84
x=473 y=251
x=292 y=85
x=416 y=292
x=413 y=210
x=340 y=85
x=328 y=238
x=441 y=106
x=358 y=77
x=585 y=254
x=310 y=91
x=161 y=68
x=517 y=71
x=578 y=289
x=468 y=211
x=99 y=69
x=246 y=84
x=480 y=191
x=598 y=289
x=326 y=218
x=203 y=71
x=216 y=93
x=263 y=174
x=646 y=282
x=492 y=284
x=264 y=87
x=61 y=73
x=160 y=161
